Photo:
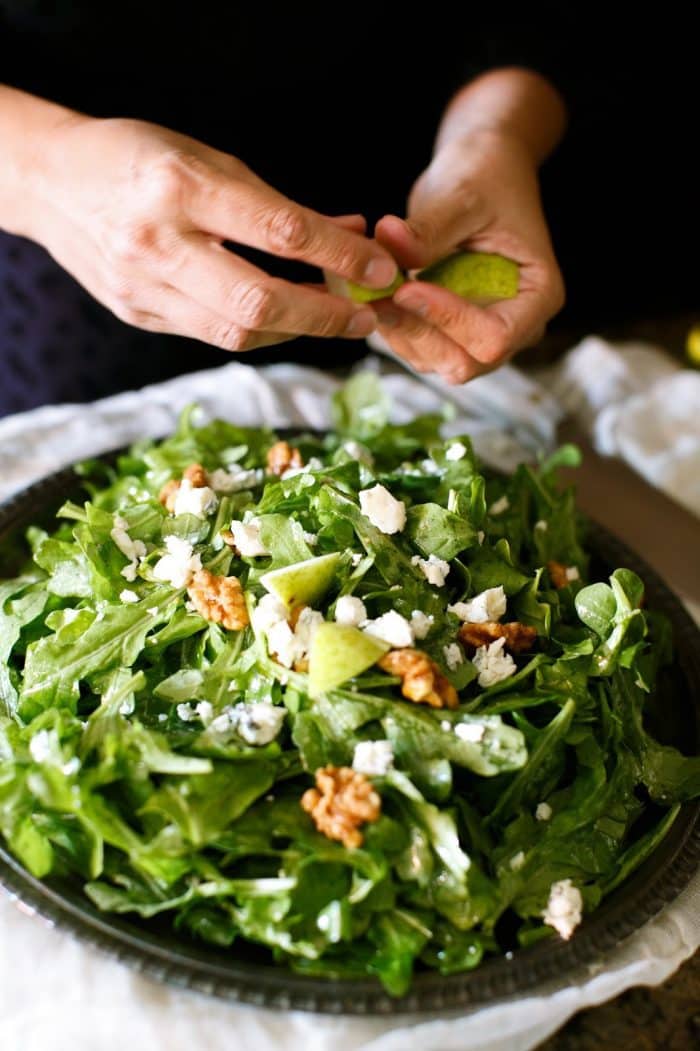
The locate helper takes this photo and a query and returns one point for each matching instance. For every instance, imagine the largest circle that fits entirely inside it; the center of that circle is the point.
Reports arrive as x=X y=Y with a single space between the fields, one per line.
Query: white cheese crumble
x=572 y=573
x=134 y=550
x=205 y=711
x=186 y=712
x=430 y=467
x=350 y=610
x=287 y=645
x=499 y=506
x=473 y=732
x=268 y=612
x=258 y=723
x=179 y=565
x=198 y=500
x=359 y=452
x=246 y=537
x=235 y=480
x=374 y=758
x=453 y=655
x=457 y=451
x=421 y=623
x=480 y=536
x=382 y=509
x=446 y=726
x=486 y=606
x=543 y=812
x=314 y=464
x=71 y=767
x=434 y=569
x=153 y=611
x=564 y=908
x=391 y=627
x=127 y=596
x=128 y=706
x=310 y=538
x=517 y=861
x=356 y=558
x=492 y=664
x=541 y=524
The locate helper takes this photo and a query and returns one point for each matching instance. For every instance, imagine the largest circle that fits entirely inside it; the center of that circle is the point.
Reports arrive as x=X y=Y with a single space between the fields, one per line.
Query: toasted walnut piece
x=557 y=573
x=422 y=680
x=519 y=637
x=219 y=599
x=281 y=456
x=301 y=664
x=228 y=538
x=342 y=801
x=295 y=613
x=196 y=474
x=168 y=493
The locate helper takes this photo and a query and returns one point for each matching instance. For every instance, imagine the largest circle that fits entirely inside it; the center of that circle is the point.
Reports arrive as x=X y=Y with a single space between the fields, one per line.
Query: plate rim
x=186 y=965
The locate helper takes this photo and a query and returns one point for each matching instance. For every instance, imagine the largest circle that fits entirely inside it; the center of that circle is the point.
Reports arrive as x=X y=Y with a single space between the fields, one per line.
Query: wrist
x=31 y=129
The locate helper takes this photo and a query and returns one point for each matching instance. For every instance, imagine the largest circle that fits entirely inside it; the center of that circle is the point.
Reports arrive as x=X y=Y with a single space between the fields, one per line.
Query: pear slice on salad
x=338 y=652
x=302 y=583
x=480 y=277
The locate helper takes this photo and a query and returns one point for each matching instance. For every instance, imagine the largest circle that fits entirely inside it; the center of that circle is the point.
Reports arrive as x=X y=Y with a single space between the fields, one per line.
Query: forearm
x=26 y=127
x=514 y=102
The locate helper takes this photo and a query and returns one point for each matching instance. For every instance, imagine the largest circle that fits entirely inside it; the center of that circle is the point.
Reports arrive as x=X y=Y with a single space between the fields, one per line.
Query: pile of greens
x=112 y=770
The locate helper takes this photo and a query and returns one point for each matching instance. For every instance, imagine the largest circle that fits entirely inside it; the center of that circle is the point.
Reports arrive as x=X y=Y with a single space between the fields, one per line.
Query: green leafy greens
x=161 y=758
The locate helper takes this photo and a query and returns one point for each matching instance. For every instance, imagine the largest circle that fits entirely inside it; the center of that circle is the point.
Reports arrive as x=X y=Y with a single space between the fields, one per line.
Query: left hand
x=480 y=192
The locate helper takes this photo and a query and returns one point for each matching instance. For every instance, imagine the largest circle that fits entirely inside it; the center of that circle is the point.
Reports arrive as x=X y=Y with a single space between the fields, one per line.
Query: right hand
x=138 y=215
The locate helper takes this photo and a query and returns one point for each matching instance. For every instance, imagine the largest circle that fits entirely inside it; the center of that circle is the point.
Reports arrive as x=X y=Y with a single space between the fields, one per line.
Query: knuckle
x=135 y=240
x=287 y=229
x=167 y=176
x=128 y=314
x=255 y=305
x=230 y=336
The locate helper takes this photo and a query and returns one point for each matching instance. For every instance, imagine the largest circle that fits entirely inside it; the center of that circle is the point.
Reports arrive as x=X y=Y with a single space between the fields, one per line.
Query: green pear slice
x=338 y=652
x=480 y=277
x=339 y=286
x=302 y=583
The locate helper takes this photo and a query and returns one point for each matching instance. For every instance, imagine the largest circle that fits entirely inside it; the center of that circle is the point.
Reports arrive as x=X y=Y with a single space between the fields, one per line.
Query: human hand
x=138 y=215
x=480 y=192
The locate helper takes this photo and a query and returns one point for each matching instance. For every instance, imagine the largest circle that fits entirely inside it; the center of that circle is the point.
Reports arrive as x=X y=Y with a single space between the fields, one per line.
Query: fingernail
x=380 y=273
x=387 y=314
x=361 y=323
x=415 y=303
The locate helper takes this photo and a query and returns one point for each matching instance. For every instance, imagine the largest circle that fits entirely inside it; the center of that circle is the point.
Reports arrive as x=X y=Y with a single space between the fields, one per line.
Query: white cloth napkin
x=57 y=994
x=637 y=403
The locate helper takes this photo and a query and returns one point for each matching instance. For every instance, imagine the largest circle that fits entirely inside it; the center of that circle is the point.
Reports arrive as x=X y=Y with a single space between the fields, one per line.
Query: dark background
x=337 y=107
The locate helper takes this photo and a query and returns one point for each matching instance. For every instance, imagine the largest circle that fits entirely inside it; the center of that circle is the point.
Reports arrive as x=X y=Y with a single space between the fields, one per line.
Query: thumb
x=433 y=229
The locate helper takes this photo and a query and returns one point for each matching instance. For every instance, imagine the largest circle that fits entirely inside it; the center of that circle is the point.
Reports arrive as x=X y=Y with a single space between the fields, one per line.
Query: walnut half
x=219 y=599
x=342 y=801
x=281 y=457
x=519 y=637
x=422 y=680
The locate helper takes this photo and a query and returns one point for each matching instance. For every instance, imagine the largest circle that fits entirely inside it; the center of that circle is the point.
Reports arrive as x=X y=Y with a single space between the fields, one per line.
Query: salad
x=347 y=697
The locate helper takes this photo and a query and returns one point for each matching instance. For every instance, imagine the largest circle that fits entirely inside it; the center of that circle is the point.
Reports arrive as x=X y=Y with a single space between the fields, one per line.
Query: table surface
x=663 y=533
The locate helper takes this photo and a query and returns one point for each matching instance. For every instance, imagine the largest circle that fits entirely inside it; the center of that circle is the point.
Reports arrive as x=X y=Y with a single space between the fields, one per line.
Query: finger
x=181 y=316
x=256 y=215
x=425 y=345
x=240 y=293
x=428 y=234
x=356 y=223
x=488 y=334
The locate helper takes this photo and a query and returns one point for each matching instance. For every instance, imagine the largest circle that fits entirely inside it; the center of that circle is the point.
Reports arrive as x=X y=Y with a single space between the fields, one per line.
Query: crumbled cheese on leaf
x=127 y=595
x=383 y=510
x=434 y=569
x=493 y=664
x=473 y=732
x=421 y=623
x=194 y=500
x=178 y=566
x=246 y=537
x=457 y=451
x=543 y=812
x=486 y=606
x=391 y=627
x=373 y=758
x=564 y=908
x=350 y=610
x=453 y=655
x=499 y=506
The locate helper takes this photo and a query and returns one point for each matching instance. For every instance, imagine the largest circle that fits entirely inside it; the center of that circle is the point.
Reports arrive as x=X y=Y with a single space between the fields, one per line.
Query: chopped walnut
x=219 y=599
x=168 y=494
x=422 y=680
x=557 y=572
x=519 y=637
x=228 y=538
x=195 y=474
x=342 y=801
x=281 y=457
